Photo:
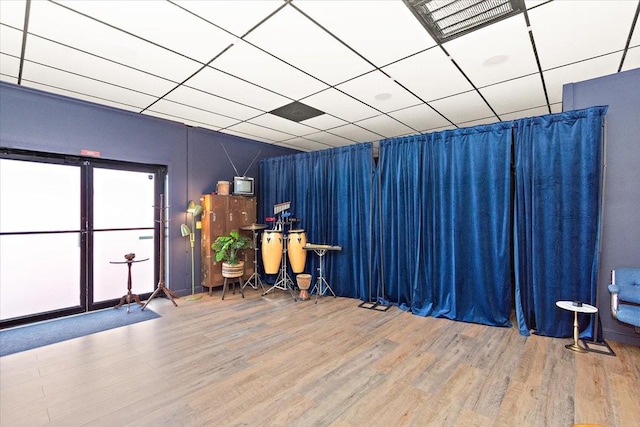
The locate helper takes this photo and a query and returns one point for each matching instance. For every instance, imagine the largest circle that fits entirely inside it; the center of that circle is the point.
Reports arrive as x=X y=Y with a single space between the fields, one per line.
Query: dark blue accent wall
x=620 y=243
x=38 y=121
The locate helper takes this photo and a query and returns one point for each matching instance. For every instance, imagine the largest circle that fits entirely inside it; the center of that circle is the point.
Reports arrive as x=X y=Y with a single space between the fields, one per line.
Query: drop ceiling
x=370 y=67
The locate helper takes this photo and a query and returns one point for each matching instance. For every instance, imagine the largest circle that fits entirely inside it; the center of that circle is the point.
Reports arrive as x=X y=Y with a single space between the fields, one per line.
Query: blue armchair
x=625 y=295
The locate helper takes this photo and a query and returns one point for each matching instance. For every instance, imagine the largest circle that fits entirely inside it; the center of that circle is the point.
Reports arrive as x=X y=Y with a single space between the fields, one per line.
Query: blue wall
x=39 y=121
x=620 y=242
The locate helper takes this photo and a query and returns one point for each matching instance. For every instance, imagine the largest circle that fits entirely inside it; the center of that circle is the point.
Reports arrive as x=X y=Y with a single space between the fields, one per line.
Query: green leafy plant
x=226 y=247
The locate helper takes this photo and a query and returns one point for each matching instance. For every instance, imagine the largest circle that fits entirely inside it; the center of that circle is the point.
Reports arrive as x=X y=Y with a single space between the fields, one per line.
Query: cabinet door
x=213 y=219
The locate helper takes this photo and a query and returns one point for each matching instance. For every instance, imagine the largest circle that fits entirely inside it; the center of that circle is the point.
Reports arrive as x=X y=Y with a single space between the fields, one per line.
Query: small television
x=243 y=186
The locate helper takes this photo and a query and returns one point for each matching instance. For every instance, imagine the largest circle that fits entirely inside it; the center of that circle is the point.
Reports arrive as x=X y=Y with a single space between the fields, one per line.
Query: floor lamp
x=194 y=210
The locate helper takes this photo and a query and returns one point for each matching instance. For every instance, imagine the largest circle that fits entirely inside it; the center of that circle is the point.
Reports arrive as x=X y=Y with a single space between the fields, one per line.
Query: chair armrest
x=614 y=289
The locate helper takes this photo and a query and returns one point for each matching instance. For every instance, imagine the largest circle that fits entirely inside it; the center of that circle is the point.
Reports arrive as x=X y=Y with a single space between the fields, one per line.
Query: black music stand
x=321 y=251
x=255 y=277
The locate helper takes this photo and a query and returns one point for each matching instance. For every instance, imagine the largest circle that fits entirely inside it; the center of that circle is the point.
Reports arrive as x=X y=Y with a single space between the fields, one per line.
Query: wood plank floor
x=269 y=361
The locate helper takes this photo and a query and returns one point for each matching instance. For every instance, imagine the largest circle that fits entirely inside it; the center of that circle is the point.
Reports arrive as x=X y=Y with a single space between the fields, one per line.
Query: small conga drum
x=304 y=281
x=296 y=252
x=271 y=251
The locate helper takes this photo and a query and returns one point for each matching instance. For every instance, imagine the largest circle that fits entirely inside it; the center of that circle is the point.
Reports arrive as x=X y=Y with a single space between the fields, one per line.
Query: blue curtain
x=445 y=202
x=557 y=217
x=330 y=191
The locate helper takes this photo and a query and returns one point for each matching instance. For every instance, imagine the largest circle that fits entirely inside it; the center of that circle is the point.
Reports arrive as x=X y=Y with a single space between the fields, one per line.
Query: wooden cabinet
x=220 y=215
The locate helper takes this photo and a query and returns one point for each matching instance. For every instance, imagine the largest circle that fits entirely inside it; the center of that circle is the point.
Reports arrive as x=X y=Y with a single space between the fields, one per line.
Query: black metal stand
x=321 y=251
x=254 y=280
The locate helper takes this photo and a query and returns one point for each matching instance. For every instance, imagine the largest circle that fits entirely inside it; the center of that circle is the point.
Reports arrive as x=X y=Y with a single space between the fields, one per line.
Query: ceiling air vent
x=296 y=111
x=447 y=19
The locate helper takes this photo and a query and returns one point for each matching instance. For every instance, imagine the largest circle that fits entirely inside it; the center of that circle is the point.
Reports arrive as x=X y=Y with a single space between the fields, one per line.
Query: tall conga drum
x=297 y=254
x=271 y=251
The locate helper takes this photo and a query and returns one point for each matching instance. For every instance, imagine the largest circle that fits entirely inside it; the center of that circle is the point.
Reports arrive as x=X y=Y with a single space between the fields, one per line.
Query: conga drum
x=271 y=251
x=297 y=254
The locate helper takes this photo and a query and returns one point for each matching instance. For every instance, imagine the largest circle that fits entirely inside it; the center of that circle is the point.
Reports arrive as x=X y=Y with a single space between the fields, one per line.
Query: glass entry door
x=63 y=224
x=123 y=223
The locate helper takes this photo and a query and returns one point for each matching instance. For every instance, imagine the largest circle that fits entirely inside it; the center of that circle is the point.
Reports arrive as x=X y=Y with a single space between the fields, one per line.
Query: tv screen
x=243 y=186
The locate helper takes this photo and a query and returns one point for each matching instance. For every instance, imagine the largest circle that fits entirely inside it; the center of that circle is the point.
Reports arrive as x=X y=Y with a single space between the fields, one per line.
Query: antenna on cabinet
x=234 y=166
x=228 y=157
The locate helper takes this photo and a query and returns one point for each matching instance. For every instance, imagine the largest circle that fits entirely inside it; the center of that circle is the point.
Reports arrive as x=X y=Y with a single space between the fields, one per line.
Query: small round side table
x=583 y=308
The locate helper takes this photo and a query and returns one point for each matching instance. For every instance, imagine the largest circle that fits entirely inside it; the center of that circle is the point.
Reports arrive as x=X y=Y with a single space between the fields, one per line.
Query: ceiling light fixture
x=448 y=19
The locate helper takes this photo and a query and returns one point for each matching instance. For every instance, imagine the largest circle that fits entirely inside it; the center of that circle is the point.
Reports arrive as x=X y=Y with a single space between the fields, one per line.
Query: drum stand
x=283 y=281
x=321 y=280
x=254 y=280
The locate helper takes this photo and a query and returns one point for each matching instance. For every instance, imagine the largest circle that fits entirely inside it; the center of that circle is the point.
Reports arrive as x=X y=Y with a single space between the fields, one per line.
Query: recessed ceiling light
x=448 y=19
x=495 y=60
x=383 y=96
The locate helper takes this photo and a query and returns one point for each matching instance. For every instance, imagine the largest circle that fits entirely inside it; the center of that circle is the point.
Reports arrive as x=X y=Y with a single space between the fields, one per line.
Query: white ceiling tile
x=472 y=123
x=12 y=13
x=329 y=139
x=379 y=91
x=556 y=108
x=295 y=39
x=632 y=60
x=336 y=103
x=181 y=111
x=558 y=77
x=430 y=75
x=261 y=131
x=462 y=108
x=255 y=66
x=85 y=86
x=55 y=22
x=385 y=126
x=10 y=41
x=275 y=122
x=59 y=56
x=375 y=35
x=354 y=133
x=570 y=31
x=9 y=66
x=226 y=86
x=531 y=112
x=159 y=22
x=210 y=103
x=324 y=122
x=235 y=16
x=420 y=117
x=529 y=89
x=80 y=96
x=10 y=79
x=247 y=135
x=179 y=120
x=495 y=53
x=304 y=144
x=635 y=37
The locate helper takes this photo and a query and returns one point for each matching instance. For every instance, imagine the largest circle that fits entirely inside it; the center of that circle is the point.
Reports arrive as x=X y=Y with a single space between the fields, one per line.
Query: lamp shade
x=194 y=209
x=185 y=230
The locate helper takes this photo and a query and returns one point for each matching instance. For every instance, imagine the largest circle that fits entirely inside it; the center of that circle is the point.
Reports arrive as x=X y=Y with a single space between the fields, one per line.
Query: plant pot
x=232 y=271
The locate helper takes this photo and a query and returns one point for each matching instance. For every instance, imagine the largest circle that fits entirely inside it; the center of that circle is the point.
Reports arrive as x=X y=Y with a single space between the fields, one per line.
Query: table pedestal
x=575 y=346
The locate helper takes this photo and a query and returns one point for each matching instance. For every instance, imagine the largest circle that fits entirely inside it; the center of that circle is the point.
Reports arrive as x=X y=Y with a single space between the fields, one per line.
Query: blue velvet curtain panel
x=446 y=223
x=330 y=192
x=557 y=217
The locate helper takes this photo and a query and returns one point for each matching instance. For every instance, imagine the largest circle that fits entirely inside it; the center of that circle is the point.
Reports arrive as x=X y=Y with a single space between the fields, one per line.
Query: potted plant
x=226 y=250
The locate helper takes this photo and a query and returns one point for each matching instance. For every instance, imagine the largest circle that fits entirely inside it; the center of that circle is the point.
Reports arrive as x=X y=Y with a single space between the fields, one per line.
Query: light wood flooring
x=270 y=361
